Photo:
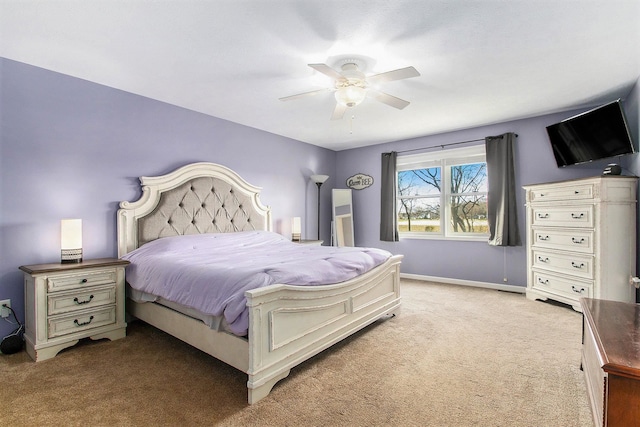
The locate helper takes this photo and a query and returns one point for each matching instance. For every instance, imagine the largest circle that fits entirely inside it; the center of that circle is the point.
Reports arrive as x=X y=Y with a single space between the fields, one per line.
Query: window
x=443 y=194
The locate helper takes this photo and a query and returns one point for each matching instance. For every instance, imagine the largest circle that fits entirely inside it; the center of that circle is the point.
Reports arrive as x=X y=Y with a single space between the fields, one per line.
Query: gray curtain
x=388 y=218
x=503 y=210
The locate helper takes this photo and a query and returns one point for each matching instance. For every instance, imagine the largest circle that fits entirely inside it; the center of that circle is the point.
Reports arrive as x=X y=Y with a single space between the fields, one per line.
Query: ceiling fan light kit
x=350 y=96
x=351 y=86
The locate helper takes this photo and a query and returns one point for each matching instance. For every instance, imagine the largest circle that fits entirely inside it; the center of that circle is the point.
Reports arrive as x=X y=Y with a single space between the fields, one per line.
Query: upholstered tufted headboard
x=194 y=199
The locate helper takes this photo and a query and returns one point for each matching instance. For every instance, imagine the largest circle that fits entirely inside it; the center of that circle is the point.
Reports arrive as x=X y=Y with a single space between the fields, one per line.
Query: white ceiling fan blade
x=328 y=71
x=390 y=100
x=399 y=74
x=304 y=94
x=338 y=112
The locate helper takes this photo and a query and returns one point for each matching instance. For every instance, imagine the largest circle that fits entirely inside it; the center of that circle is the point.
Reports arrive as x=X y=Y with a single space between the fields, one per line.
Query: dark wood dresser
x=611 y=361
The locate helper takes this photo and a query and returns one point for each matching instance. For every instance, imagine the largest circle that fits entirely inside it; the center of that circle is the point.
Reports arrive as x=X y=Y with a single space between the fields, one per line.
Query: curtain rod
x=444 y=145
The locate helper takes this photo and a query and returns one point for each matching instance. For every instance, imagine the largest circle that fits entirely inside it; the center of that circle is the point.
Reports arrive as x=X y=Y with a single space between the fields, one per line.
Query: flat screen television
x=596 y=134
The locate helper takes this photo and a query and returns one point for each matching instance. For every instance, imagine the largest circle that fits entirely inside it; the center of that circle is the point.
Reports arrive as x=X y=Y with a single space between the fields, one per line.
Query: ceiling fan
x=351 y=86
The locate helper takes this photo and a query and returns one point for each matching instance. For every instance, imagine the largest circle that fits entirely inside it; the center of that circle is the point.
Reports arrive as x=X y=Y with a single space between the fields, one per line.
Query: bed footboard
x=290 y=324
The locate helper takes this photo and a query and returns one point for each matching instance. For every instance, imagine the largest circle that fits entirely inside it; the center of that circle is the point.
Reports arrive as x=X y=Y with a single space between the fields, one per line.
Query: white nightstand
x=67 y=302
x=309 y=242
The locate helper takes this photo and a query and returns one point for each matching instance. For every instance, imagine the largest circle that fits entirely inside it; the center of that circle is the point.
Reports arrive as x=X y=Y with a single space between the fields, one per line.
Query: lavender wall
x=74 y=149
x=474 y=261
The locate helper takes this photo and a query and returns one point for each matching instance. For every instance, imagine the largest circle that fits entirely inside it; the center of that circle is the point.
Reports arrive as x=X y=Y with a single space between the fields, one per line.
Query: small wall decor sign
x=359 y=181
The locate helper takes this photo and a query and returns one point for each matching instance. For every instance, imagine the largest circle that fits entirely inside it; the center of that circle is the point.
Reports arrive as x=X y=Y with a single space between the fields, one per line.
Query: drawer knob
x=576 y=265
x=543 y=259
x=543 y=238
x=577 y=216
x=576 y=290
x=83 y=302
x=577 y=241
x=83 y=323
x=543 y=215
x=543 y=282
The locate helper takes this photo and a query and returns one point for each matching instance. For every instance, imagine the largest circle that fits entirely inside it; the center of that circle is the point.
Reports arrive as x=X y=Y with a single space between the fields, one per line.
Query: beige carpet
x=456 y=356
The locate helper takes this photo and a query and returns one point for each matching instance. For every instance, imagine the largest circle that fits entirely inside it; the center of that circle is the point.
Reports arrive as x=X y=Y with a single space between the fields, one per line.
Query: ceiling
x=480 y=62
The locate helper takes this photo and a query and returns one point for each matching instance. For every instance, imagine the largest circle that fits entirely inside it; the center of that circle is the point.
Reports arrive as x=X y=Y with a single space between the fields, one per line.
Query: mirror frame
x=342 y=218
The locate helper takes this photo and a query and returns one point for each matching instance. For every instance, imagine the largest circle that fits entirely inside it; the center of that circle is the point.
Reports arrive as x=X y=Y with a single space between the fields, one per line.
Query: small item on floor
x=13 y=342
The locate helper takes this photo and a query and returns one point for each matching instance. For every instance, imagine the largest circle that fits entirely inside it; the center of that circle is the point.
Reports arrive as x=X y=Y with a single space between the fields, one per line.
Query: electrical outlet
x=4 y=311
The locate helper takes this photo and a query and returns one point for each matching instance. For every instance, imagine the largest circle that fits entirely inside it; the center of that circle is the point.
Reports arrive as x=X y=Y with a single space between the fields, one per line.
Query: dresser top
x=585 y=179
x=616 y=327
x=58 y=267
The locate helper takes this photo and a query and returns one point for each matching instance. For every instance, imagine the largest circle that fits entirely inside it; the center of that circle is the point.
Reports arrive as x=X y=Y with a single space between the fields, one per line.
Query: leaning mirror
x=342 y=218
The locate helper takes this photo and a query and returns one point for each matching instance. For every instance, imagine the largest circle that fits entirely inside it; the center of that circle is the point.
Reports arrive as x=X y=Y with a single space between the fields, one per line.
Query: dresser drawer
x=573 y=264
x=565 y=216
x=562 y=286
x=575 y=241
x=81 y=299
x=80 y=321
x=572 y=192
x=595 y=377
x=62 y=282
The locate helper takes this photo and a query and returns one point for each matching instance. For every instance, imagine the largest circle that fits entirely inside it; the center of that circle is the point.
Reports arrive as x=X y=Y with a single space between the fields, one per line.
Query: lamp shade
x=71 y=240
x=319 y=179
x=296 y=228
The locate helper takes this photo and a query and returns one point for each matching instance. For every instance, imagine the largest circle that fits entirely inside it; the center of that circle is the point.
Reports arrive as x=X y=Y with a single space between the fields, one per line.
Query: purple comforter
x=211 y=272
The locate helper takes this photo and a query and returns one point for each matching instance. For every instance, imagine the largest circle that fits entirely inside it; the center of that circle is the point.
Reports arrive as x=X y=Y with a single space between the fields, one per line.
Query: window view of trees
x=420 y=198
x=469 y=198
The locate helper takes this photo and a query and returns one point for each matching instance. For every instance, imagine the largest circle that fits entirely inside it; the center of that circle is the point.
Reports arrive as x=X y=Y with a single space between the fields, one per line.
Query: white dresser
x=67 y=302
x=581 y=239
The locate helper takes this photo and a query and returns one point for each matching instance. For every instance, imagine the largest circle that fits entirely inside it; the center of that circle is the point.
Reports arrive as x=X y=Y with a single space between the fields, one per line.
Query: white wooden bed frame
x=287 y=324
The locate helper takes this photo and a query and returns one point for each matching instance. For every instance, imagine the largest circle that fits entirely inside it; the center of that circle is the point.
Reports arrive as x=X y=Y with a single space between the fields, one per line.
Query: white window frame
x=443 y=159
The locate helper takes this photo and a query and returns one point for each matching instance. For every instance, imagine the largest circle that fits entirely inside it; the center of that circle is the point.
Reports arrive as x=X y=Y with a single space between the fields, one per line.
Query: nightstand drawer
x=75 y=322
x=83 y=278
x=567 y=216
x=81 y=299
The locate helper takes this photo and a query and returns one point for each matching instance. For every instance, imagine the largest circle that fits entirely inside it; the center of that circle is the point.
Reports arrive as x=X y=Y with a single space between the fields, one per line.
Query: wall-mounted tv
x=596 y=134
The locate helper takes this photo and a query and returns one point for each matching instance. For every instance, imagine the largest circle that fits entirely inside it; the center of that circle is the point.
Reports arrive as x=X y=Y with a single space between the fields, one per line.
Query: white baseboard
x=497 y=286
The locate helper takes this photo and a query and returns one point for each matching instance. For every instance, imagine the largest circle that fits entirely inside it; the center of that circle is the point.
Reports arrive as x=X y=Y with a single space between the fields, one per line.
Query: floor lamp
x=319 y=180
